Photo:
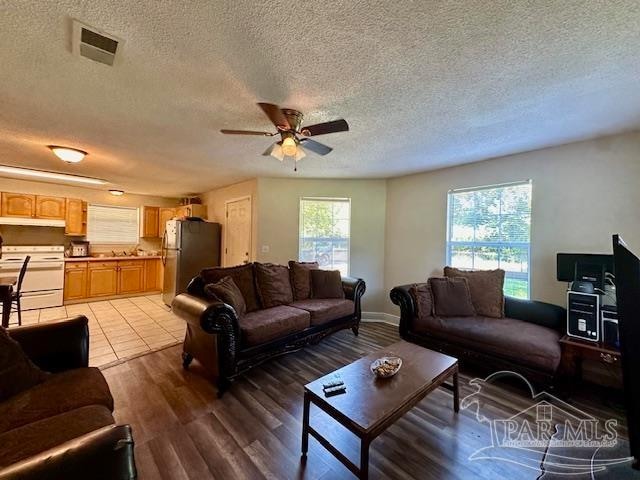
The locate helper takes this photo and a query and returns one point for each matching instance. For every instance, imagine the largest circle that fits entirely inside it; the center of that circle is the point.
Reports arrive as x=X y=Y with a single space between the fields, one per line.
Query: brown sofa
x=525 y=340
x=62 y=427
x=227 y=343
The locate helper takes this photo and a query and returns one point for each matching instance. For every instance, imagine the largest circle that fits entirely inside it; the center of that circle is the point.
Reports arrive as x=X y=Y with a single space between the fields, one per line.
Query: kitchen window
x=325 y=231
x=112 y=225
x=489 y=228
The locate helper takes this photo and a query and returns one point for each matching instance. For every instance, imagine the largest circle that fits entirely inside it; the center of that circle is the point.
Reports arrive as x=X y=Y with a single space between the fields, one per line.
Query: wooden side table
x=575 y=351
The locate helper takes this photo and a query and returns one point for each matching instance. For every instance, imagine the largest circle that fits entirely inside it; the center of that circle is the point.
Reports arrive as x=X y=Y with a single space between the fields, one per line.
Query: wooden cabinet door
x=149 y=224
x=50 y=207
x=75 y=217
x=18 y=205
x=151 y=275
x=75 y=281
x=130 y=276
x=164 y=214
x=183 y=211
x=102 y=279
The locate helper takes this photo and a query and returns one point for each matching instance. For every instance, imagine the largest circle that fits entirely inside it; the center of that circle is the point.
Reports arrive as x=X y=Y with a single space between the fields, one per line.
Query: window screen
x=325 y=230
x=110 y=225
x=490 y=227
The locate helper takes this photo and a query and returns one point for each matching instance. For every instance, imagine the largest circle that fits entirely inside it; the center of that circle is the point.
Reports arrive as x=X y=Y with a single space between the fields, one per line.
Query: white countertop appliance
x=44 y=280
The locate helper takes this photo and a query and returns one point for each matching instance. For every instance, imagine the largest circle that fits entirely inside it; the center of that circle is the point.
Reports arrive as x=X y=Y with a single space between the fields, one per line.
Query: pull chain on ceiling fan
x=288 y=123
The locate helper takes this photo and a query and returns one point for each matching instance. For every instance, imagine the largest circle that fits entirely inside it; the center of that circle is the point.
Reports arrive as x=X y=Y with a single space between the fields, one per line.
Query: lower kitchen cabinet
x=110 y=278
x=102 y=279
x=75 y=281
x=130 y=277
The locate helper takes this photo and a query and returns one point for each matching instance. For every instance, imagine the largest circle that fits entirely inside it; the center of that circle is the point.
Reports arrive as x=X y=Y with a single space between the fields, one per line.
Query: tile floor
x=119 y=329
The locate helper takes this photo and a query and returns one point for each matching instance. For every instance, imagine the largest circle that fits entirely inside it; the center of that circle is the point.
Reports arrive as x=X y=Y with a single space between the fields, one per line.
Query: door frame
x=226 y=219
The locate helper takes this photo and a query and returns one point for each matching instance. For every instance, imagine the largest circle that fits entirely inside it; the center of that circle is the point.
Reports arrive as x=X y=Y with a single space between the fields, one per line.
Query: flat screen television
x=584 y=266
x=627 y=272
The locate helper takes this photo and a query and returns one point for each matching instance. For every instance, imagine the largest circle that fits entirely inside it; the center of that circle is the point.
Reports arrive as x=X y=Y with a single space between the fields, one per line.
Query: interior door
x=237 y=239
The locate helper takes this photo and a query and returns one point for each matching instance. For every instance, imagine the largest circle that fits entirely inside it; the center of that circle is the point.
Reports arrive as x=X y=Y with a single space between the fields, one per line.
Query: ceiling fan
x=288 y=125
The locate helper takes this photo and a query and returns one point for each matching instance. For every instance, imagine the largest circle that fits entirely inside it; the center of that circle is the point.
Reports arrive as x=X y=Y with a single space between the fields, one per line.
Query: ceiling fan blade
x=315 y=147
x=326 y=127
x=247 y=132
x=275 y=115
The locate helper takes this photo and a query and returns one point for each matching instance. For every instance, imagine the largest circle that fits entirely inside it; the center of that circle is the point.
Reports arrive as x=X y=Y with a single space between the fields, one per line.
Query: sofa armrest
x=402 y=297
x=533 y=311
x=211 y=315
x=55 y=346
x=353 y=288
x=104 y=454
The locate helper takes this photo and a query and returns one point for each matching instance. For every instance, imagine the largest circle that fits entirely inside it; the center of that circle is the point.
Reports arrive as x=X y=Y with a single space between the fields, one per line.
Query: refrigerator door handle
x=163 y=249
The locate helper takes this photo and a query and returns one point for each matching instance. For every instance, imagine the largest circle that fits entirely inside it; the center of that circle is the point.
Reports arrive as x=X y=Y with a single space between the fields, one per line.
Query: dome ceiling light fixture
x=288 y=123
x=116 y=193
x=68 y=154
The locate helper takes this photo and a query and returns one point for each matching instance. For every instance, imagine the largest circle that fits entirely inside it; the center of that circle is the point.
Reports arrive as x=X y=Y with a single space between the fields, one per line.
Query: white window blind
x=490 y=227
x=325 y=231
x=111 y=225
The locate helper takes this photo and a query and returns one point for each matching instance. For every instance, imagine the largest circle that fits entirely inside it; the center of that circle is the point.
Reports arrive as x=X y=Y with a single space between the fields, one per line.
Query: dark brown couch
x=62 y=427
x=227 y=344
x=526 y=340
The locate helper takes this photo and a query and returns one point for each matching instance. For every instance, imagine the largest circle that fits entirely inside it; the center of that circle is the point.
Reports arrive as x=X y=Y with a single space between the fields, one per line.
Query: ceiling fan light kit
x=288 y=123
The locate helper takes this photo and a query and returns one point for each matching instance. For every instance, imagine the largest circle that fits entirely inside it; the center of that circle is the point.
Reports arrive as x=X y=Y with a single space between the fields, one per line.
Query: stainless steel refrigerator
x=187 y=247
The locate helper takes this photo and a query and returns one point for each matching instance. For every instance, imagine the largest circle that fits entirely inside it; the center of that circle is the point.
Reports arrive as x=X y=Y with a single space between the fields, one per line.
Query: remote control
x=336 y=381
x=328 y=392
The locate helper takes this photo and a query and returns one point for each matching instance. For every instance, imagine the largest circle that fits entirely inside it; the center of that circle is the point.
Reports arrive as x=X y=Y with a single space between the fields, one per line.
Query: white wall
x=582 y=194
x=278 y=218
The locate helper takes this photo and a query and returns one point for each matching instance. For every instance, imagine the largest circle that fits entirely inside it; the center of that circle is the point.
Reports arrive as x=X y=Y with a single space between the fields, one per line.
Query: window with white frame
x=490 y=227
x=325 y=231
x=112 y=225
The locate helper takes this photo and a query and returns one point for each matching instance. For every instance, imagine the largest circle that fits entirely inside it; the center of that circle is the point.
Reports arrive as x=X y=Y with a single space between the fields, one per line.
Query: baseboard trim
x=381 y=317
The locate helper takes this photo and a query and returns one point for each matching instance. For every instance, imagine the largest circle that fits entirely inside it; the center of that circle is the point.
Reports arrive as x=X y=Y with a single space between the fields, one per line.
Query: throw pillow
x=242 y=276
x=422 y=297
x=451 y=297
x=326 y=284
x=274 y=286
x=228 y=292
x=17 y=372
x=300 y=273
x=486 y=287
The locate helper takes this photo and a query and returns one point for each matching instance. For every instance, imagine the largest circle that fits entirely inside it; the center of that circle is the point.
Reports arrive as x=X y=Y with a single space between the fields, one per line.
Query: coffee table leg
x=305 y=424
x=364 y=458
x=456 y=393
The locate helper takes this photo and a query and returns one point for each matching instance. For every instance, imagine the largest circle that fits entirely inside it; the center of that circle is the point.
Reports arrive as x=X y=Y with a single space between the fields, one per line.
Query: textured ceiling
x=423 y=84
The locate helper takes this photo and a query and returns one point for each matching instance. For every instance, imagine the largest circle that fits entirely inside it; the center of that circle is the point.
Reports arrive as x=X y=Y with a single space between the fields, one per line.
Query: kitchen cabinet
x=152 y=275
x=130 y=276
x=149 y=221
x=75 y=281
x=18 y=205
x=110 y=278
x=75 y=217
x=193 y=210
x=50 y=207
x=102 y=279
x=164 y=214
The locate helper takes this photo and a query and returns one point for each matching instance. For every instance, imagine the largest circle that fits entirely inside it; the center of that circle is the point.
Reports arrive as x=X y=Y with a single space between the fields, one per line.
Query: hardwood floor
x=183 y=431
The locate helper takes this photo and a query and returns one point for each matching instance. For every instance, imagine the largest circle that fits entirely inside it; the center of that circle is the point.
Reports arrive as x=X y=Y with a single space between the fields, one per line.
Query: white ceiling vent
x=91 y=43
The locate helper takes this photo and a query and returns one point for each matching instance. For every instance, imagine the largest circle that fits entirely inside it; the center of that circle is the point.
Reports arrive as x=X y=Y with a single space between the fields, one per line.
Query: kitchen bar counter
x=109 y=258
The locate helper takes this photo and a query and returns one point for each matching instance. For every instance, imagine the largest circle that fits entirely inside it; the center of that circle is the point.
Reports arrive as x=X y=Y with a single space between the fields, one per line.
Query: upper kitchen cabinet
x=193 y=210
x=76 y=217
x=18 y=205
x=149 y=221
x=52 y=208
x=164 y=215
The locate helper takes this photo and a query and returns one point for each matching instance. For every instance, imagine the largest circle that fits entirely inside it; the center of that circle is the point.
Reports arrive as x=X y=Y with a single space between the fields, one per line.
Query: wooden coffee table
x=371 y=405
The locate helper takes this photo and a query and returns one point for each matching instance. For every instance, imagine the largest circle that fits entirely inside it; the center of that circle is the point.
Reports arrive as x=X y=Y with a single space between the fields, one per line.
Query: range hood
x=31 y=222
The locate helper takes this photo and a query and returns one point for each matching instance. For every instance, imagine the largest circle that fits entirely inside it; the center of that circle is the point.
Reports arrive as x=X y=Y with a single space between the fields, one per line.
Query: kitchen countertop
x=107 y=259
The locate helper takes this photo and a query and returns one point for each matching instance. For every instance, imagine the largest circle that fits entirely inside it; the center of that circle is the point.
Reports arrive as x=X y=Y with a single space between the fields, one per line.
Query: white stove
x=44 y=280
